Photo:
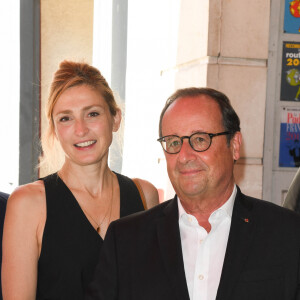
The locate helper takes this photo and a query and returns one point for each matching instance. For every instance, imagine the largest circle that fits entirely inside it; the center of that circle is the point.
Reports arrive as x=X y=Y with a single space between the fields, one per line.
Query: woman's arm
x=150 y=192
x=25 y=212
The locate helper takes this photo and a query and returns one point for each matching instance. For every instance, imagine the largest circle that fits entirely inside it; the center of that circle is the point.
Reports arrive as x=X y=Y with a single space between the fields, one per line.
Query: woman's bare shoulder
x=28 y=196
x=22 y=236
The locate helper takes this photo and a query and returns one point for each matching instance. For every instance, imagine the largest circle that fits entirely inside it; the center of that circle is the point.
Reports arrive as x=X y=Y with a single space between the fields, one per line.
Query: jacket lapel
x=238 y=246
x=170 y=247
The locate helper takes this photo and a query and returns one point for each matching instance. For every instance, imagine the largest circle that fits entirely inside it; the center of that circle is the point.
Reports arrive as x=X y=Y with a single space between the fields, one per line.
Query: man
x=3 y=199
x=292 y=199
x=211 y=241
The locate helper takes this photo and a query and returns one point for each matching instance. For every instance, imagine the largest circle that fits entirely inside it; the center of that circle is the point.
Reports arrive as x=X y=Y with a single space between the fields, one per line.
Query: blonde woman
x=54 y=227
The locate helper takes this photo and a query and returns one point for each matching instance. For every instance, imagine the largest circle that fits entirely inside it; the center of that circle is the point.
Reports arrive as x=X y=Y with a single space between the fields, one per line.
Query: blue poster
x=289 y=148
x=292 y=16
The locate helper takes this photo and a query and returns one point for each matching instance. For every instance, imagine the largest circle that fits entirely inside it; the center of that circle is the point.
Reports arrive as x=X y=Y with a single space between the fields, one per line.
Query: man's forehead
x=194 y=103
x=192 y=113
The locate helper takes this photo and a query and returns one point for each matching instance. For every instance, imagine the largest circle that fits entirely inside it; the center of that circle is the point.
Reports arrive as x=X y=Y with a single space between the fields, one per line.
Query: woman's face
x=83 y=125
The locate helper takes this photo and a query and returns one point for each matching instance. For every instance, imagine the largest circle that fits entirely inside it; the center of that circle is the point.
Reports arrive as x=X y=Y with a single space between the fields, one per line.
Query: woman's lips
x=85 y=144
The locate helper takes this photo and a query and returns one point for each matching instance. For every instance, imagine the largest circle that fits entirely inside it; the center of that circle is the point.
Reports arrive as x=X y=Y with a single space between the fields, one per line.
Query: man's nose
x=187 y=153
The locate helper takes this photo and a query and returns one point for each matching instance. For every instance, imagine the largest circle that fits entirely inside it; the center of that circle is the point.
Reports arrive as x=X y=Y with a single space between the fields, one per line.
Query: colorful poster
x=289 y=148
x=290 y=72
x=292 y=16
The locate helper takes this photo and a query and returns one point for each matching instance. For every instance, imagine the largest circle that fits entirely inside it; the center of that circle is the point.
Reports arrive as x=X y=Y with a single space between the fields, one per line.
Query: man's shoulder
x=3 y=198
x=270 y=211
x=143 y=217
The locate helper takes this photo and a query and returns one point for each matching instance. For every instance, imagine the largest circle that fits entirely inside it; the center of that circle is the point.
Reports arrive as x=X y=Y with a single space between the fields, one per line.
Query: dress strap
x=136 y=182
x=130 y=198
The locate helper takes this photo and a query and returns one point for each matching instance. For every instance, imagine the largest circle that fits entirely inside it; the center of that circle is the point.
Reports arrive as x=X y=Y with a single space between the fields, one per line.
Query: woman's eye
x=93 y=114
x=64 y=119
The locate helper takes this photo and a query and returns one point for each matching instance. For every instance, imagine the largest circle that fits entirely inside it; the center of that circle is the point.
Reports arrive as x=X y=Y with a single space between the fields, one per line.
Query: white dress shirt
x=203 y=253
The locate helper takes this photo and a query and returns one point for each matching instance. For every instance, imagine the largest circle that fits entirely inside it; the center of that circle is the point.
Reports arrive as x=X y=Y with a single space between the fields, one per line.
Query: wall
x=66 y=33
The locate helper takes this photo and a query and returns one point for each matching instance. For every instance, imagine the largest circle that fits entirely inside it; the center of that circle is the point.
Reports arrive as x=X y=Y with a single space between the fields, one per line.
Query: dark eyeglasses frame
x=211 y=135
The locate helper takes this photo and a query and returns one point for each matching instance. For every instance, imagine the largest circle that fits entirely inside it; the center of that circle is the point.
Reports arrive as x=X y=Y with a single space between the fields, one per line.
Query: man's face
x=207 y=174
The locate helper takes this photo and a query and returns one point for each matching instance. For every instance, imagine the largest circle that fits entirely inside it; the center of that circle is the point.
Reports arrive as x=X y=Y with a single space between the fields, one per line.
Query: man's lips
x=190 y=172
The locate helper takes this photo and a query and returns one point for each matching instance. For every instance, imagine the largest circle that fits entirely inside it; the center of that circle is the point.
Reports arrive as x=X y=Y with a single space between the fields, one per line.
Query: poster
x=290 y=72
x=289 y=148
x=292 y=16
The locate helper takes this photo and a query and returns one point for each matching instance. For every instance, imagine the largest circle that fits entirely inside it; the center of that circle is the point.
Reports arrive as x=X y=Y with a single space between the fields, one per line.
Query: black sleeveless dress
x=70 y=245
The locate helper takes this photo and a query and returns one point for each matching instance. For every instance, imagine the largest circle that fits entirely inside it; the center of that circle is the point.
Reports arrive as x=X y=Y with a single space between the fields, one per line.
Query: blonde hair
x=70 y=74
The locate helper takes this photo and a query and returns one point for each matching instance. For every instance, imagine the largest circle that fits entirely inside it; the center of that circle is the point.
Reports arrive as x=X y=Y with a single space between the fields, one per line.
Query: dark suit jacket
x=142 y=258
x=3 y=199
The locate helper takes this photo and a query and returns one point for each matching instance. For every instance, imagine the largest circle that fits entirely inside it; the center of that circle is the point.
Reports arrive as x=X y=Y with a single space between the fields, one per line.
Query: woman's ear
x=117 y=120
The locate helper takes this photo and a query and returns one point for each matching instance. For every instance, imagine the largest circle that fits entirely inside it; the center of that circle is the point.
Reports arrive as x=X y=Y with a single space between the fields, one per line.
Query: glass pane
x=10 y=95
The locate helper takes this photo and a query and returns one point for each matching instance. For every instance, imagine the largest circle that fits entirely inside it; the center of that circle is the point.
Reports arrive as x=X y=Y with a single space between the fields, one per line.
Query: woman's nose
x=80 y=128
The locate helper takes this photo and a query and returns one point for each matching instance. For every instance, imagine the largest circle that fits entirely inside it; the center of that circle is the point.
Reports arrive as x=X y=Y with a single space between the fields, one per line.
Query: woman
x=54 y=227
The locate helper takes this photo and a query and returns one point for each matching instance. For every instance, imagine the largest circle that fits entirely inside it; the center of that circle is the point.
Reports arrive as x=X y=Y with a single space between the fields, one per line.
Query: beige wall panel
x=191 y=75
x=214 y=27
x=249 y=179
x=193 y=30
x=67 y=29
x=66 y=33
x=245 y=28
x=213 y=76
x=246 y=88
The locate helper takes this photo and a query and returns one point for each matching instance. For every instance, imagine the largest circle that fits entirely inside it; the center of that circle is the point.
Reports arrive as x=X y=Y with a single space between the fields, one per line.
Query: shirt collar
x=227 y=207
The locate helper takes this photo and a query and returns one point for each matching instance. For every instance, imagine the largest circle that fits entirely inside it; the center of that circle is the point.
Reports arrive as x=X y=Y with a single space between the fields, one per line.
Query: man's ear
x=117 y=120
x=236 y=143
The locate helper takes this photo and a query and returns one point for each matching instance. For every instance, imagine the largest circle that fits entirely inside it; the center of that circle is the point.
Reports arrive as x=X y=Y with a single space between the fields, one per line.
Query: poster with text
x=290 y=72
x=289 y=148
x=292 y=16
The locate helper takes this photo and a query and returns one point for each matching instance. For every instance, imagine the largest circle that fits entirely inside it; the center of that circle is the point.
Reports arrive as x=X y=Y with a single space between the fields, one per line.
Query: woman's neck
x=94 y=179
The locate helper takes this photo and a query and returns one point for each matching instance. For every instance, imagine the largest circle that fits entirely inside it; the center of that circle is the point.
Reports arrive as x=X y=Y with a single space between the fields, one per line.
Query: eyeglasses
x=199 y=141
